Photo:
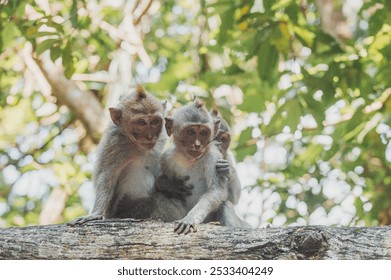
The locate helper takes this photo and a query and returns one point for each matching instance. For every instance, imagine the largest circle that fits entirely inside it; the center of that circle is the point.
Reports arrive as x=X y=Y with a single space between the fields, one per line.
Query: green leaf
x=316 y=108
x=294 y=112
x=8 y=34
x=282 y=38
x=280 y=4
x=267 y=61
x=246 y=144
x=67 y=60
x=227 y=24
x=305 y=36
x=253 y=100
x=310 y=156
x=73 y=14
x=293 y=11
x=47 y=44
x=55 y=53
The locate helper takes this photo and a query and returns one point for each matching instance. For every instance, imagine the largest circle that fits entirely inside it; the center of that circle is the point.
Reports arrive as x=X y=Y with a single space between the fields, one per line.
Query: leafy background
x=306 y=91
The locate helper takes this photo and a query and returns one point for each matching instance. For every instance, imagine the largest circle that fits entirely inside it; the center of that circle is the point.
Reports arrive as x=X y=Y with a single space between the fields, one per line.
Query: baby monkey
x=194 y=156
x=226 y=167
x=127 y=162
x=227 y=164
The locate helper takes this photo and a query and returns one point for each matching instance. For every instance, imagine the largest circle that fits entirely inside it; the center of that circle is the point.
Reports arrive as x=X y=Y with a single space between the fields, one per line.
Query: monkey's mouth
x=148 y=145
x=194 y=154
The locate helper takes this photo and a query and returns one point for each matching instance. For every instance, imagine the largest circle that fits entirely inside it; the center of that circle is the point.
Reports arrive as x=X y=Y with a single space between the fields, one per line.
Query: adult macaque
x=128 y=155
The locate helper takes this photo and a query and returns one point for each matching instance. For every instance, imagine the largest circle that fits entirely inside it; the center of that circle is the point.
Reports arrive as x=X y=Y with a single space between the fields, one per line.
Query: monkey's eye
x=141 y=122
x=223 y=139
x=155 y=121
x=190 y=131
x=204 y=132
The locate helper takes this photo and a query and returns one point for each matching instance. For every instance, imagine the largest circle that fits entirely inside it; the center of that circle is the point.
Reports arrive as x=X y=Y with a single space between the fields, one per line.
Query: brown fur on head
x=140 y=91
x=140 y=118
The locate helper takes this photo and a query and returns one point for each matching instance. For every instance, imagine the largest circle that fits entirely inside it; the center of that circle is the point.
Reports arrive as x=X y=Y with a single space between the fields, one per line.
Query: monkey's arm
x=173 y=187
x=226 y=168
x=110 y=163
x=104 y=191
x=208 y=203
x=234 y=186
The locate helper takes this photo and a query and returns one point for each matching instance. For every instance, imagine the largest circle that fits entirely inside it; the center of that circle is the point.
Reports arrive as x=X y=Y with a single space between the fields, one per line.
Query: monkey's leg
x=83 y=220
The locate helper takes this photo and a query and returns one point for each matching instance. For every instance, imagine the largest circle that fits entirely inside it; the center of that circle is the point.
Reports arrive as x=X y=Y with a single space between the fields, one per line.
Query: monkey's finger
x=222 y=167
x=84 y=220
x=184 y=178
x=187 y=229
x=222 y=161
x=177 y=226
x=77 y=222
x=180 y=229
x=222 y=171
x=222 y=164
x=190 y=228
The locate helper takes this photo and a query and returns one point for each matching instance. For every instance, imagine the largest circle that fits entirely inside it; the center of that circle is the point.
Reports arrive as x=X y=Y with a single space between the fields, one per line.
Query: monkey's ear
x=169 y=125
x=198 y=103
x=116 y=116
x=214 y=112
x=216 y=126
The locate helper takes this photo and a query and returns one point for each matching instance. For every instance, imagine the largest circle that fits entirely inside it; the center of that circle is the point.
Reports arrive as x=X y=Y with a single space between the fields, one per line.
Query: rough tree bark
x=130 y=239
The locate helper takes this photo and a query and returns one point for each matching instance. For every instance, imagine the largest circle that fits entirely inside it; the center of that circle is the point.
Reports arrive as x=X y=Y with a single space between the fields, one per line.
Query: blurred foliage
x=289 y=90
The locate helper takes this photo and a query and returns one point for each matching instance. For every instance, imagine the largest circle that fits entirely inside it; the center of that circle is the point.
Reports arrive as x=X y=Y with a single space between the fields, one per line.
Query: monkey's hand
x=222 y=167
x=185 y=226
x=174 y=187
x=83 y=220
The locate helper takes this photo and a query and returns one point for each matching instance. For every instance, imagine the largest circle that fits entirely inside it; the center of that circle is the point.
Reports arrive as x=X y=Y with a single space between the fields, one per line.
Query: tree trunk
x=130 y=239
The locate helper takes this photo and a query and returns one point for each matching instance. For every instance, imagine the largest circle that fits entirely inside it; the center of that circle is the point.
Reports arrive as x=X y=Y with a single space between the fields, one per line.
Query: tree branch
x=130 y=239
x=143 y=13
x=83 y=103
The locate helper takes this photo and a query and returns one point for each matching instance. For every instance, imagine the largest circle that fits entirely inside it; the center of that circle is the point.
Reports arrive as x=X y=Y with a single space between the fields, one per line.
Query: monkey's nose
x=149 y=137
x=197 y=145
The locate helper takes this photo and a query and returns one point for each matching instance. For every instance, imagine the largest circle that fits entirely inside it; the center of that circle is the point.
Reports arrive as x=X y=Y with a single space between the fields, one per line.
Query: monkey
x=226 y=214
x=222 y=140
x=128 y=155
x=194 y=154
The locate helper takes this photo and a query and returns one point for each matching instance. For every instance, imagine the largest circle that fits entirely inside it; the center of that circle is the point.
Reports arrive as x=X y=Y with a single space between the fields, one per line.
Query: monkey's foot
x=83 y=220
x=183 y=227
x=222 y=167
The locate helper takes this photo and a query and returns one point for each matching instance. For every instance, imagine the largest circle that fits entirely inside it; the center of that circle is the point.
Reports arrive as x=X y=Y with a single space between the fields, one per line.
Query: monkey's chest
x=137 y=181
x=199 y=188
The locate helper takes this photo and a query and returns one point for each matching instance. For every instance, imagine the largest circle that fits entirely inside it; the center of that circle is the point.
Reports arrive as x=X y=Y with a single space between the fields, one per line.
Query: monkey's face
x=223 y=139
x=145 y=130
x=193 y=140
